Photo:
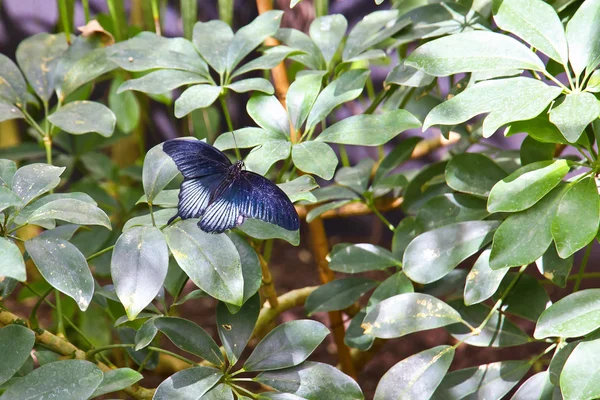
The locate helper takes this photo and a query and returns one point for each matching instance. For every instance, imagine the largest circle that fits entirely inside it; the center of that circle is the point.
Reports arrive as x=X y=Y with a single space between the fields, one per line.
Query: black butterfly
x=224 y=194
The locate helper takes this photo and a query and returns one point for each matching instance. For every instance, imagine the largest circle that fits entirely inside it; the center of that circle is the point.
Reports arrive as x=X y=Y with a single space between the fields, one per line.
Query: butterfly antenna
x=237 y=151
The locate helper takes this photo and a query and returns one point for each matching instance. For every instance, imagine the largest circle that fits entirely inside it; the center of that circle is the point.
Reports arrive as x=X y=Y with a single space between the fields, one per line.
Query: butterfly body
x=223 y=194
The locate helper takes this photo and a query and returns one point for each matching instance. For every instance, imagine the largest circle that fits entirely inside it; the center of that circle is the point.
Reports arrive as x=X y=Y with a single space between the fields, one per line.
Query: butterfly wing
x=225 y=211
x=195 y=158
x=195 y=194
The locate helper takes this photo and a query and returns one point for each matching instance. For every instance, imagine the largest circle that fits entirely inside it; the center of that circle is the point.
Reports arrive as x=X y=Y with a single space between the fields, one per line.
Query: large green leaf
x=450 y=208
x=251 y=269
x=490 y=381
x=212 y=40
x=394 y=285
x=541 y=129
x=38 y=57
x=65 y=380
x=405 y=232
x=7 y=172
x=125 y=107
x=252 y=84
x=433 y=254
x=71 y=210
x=583 y=36
x=338 y=294
x=116 y=380
x=526 y=186
x=346 y=87
x=270 y=59
x=246 y=137
x=64 y=267
x=261 y=158
x=189 y=384
x=471 y=52
x=269 y=114
x=236 y=329
x=220 y=392
x=536 y=23
x=404 y=75
x=312 y=381
x=576 y=112
x=33 y=180
x=300 y=98
x=482 y=282
x=393 y=159
x=11 y=261
x=575 y=315
x=425 y=185
x=211 y=261
x=16 y=342
x=524 y=237
x=81 y=64
x=162 y=81
x=14 y=87
x=195 y=97
x=263 y=230
x=300 y=189
x=313 y=58
x=417 y=376
x=191 y=338
x=407 y=313
x=355 y=337
x=138 y=267
x=506 y=100
x=536 y=387
x=79 y=117
x=372 y=29
x=315 y=158
x=327 y=32
x=532 y=151
x=555 y=268
x=286 y=346
x=559 y=359
x=370 y=130
x=8 y=199
x=355 y=258
x=577 y=218
x=473 y=173
x=159 y=169
x=579 y=379
x=8 y=111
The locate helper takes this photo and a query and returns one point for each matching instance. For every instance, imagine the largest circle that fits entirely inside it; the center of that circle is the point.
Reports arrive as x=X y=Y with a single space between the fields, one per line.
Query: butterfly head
x=237 y=167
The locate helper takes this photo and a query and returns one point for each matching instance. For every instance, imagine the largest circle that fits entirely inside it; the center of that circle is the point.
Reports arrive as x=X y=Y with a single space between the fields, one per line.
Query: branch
x=60 y=346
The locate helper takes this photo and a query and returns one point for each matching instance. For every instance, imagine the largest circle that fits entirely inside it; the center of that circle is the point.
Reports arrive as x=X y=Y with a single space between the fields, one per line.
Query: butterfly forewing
x=195 y=158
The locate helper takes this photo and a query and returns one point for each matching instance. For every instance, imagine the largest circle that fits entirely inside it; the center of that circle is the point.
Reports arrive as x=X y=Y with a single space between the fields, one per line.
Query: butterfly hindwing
x=195 y=158
x=225 y=211
x=195 y=194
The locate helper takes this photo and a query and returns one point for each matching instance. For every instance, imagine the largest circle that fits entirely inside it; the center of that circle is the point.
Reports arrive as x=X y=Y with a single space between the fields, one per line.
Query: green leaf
x=433 y=254
x=355 y=336
x=250 y=36
x=162 y=81
x=394 y=285
x=579 y=377
x=577 y=218
x=138 y=267
x=128 y=335
x=236 y=329
x=542 y=130
x=528 y=298
x=300 y=98
x=312 y=381
x=159 y=170
x=416 y=376
x=348 y=86
x=251 y=269
x=11 y=261
x=555 y=268
x=191 y=338
x=356 y=177
x=16 y=342
x=559 y=359
x=499 y=331
x=64 y=267
x=489 y=381
x=313 y=58
x=536 y=23
x=327 y=32
x=246 y=137
x=28 y=210
x=125 y=106
x=526 y=186
x=116 y=380
x=536 y=387
x=472 y=52
x=211 y=261
x=583 y=37
x=299 y=189
x=189 y=384
x=195 y=97
x=403 y=75
x=321 y=209
x=212 y=39
x=419 y=190
x=287 y=345
x=146 y=334
x=393 y=159
x=369 y=130
x=71 y=210
x=473 y=173
x=165 y=198
x=405 y=232
x=315 y=158
x=219 y=392
x=506 y=100
x=337 y=295
x=8 y=168
x=355 y=258
x=161 y=217
x=252 y=84
x=34 y=180
x=263 y=230
x=575 y=315
x=65 y=380
x=38 y=56
x=593 y=84
x=533 y=151
x=371 y=30
x=79 y=117
x=81 y=64
x=14 y=87
x=583 y=105
x=269 y=114
x=262 y=158
x=482 y=282
x=269 y=60
x=407 y=313
x=524 y=237
x=8 y=111
x=450 y=208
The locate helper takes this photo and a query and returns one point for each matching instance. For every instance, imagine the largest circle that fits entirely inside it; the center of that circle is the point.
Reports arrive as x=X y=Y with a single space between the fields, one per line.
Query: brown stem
x=267 y=280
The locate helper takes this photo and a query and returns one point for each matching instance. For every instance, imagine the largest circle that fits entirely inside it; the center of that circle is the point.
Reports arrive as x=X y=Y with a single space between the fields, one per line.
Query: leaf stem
x=60 y=327
x=553 y=79
x=344 y=155
x=229 y=124
x=381 y=217
x=86 y=10
x=99 y=253
x=243 y=390
x=581 y=271
x=152 y=214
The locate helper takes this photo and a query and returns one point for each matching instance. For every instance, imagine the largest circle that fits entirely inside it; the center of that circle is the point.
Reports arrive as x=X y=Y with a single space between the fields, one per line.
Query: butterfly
x=223 y=194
